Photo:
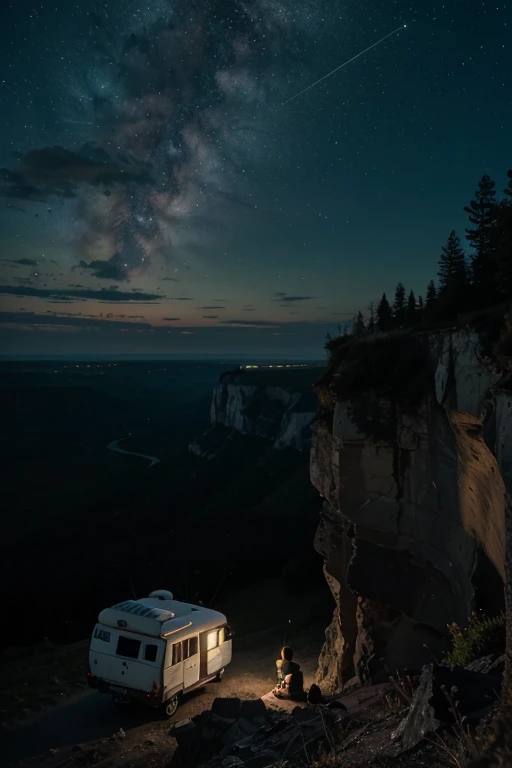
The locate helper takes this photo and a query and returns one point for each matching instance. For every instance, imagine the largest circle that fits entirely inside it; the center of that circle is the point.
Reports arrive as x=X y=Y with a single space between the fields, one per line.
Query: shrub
x=483 y=636
x=395 y=365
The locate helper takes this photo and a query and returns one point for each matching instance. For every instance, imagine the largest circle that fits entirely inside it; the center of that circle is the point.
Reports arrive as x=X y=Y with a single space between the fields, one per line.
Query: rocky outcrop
x=414 y=479
x=278 y=405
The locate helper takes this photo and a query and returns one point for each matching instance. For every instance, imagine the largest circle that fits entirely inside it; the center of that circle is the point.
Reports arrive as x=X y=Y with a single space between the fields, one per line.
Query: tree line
x=465 y=282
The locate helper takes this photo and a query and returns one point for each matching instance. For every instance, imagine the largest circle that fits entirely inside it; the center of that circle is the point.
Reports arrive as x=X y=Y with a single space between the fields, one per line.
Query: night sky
x=158 y=196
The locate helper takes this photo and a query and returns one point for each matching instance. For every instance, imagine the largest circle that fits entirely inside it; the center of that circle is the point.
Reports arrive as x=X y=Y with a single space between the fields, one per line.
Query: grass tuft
x=483 y=636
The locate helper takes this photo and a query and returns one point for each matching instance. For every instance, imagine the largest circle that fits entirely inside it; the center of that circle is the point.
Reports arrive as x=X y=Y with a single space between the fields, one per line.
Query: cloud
x=56 y=171
x=171 y=319
x=112 y=269
x=21 y=262
x=283 y=297
x=172 y=279
x=251 y=323
x=210 y=317
x=212 y=307
x=181 y=298
x=279 y=293
x=111 y=294
x=59 y=320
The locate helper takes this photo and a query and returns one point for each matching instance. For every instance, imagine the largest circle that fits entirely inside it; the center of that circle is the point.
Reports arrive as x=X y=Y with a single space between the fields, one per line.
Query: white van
x=156 y=648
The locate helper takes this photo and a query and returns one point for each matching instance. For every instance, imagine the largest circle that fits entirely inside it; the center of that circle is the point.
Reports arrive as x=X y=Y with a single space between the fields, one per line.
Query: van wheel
x=171 y=706
x=219 y=675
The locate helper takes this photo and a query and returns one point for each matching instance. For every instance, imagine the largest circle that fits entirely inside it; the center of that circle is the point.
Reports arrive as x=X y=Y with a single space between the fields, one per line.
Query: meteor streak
x=345 y=63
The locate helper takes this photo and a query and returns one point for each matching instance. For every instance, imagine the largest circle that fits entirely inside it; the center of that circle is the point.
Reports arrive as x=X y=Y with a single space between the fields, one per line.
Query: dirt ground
x=89 y=730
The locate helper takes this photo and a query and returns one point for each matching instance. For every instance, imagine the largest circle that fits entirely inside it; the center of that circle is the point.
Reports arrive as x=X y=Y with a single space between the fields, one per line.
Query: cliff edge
x=274 y=403
x=412 y=453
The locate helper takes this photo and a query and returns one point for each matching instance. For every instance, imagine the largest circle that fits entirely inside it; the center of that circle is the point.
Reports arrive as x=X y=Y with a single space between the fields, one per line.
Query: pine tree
x=371 y=321
x=508 y=190
x=359 y=327
x=421 y=304
x=399 y=305
x=431 y=295
x=411 y=309
x=482 y=214
x=384 y=315
x=453 y=277
x=502 y=252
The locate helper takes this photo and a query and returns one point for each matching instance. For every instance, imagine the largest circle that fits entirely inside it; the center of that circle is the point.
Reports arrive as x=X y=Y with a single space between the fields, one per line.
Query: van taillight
x=155 y=688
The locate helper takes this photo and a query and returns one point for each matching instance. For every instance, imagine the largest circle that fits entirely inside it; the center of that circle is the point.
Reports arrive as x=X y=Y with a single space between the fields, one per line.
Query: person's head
x=287 y=653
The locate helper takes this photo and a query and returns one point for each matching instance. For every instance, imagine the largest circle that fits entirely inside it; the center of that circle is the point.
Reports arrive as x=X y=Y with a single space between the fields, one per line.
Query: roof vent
x=162 y=594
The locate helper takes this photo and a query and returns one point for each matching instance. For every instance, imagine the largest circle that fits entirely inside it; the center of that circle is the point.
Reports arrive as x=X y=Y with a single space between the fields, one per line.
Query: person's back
x=296 y=682
x=291 y=679
x=289 y=667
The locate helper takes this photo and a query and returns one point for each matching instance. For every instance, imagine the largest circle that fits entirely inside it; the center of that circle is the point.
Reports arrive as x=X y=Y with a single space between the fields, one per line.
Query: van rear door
x=125 y=659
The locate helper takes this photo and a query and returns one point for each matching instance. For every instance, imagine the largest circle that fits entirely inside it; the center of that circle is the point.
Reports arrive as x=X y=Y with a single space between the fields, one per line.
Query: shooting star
x=345 y=63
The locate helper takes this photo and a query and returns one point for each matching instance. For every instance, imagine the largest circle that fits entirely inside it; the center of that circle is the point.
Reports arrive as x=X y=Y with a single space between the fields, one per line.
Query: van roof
x=158 y=617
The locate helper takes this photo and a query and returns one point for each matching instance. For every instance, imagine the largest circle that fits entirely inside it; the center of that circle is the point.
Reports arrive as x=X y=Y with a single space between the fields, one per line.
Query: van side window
x=176 y=653
x=212 y=640
x=193 y=646
x=150 y=652
x=189 y=647
x=128 y=646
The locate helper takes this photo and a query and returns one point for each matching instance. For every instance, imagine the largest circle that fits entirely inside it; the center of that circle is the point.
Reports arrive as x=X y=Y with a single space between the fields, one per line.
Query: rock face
x=276 y=404
x=412 y=528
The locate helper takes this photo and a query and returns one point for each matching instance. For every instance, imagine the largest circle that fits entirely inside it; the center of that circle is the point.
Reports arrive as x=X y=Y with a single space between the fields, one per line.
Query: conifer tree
x=502 y=252
x=384 y=315
x=411 y=309
x=359 y=327
x=453 y=277
x=481 y=236
x=431 y=295
x=508 y=190
x=371 y=321
x=399 y=306
x=421 y=304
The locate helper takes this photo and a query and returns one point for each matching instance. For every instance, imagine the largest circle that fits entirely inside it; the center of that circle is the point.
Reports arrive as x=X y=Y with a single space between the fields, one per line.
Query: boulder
x=444 y=694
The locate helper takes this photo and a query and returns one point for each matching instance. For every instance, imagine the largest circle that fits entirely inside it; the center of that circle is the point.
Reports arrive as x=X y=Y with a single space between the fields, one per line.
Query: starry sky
x=158 y=196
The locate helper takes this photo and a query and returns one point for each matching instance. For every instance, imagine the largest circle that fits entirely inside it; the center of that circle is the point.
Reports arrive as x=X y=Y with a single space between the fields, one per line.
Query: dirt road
x=91 y=716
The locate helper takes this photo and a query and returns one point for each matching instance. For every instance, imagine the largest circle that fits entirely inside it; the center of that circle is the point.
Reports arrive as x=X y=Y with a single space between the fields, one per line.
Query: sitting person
x=290 y=678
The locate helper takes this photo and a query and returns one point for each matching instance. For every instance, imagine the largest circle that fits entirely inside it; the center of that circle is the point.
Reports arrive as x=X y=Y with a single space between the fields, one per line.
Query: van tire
x=171 y=705
x=219 y=675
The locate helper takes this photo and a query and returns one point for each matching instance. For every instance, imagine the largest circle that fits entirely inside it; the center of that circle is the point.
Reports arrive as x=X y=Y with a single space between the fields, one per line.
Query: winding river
x=114 y=446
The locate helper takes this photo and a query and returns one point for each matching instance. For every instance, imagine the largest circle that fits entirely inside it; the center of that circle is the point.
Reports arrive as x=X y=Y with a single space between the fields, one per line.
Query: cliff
x=412 y=453
x=278 y=405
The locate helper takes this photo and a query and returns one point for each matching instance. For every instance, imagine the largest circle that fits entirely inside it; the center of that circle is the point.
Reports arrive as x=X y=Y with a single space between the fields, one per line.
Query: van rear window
x=150 y=652
x=127 y=646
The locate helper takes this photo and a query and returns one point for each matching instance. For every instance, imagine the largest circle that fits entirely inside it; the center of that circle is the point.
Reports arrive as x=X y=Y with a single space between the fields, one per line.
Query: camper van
x=154 y=649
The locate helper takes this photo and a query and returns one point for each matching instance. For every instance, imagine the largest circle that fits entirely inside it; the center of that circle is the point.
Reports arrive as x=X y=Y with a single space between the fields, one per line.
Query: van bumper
x=102 y=686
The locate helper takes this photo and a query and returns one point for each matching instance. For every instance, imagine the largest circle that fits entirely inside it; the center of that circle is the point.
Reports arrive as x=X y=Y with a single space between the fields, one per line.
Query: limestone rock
x=442 y=690
x=414 y=510
x=277 y=405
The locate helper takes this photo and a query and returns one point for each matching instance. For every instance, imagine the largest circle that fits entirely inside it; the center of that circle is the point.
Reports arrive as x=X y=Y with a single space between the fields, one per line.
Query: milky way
x=183 y=91
x=147 y=155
